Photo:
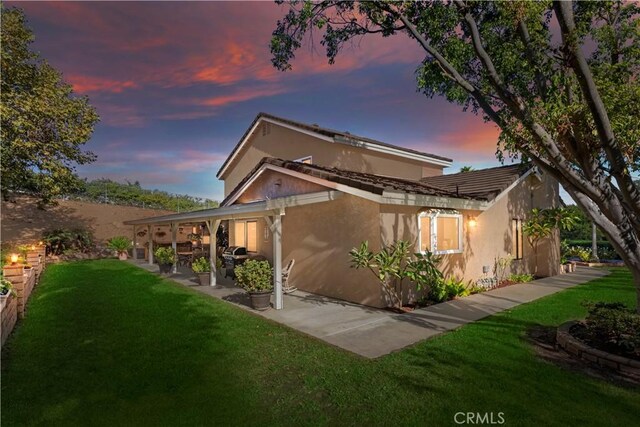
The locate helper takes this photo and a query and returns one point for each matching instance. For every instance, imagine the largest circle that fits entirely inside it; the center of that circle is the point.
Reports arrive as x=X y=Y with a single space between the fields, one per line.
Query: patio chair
x=286 y=272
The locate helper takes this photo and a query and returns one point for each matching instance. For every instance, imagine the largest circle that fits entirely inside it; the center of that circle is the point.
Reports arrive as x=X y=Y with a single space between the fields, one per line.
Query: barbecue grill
x=233 y=256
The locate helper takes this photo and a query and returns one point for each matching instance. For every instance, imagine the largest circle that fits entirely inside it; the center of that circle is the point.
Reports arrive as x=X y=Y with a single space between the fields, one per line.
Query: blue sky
x=177 y=84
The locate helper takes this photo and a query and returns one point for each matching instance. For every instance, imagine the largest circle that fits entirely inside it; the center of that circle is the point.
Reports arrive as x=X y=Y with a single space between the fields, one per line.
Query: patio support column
x=174 y=244
x=135 y=243
x=150 y=237
x=212 y=225
x=276 y=230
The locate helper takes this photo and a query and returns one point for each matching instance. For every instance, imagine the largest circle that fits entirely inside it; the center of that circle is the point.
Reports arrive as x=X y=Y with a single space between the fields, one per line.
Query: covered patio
x=271 y=211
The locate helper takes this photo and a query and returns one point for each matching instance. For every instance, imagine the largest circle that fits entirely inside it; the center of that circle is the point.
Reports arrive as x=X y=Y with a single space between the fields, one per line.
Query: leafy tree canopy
x=560 y=79
x=43 y=124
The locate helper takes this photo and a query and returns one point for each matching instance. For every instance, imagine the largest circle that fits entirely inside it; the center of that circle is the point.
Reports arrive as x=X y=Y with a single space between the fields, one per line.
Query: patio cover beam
x=240 y=211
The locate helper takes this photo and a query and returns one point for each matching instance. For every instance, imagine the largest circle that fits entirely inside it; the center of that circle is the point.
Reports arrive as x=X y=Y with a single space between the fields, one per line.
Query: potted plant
x=202 y=268
x=165 y=257
x=6 y=287
x=120 y=244
x=256 y=277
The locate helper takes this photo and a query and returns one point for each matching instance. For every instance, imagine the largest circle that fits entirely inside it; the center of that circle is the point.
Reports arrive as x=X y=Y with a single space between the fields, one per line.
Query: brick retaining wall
x=8 y=316
x=582 y=351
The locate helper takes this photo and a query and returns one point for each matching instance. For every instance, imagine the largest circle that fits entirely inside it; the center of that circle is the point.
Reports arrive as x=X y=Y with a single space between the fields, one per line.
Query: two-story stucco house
x=304 y=192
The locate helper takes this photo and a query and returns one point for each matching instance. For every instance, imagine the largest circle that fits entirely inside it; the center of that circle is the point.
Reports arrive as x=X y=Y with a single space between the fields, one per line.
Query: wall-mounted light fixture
x=472 y=221
x=14 y=259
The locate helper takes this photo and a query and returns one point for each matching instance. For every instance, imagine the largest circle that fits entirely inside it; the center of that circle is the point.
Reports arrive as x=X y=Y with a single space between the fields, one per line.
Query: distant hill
x=132 y=194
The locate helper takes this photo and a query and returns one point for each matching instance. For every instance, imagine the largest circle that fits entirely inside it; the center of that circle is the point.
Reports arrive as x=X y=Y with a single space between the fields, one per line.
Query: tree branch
x=564 y=13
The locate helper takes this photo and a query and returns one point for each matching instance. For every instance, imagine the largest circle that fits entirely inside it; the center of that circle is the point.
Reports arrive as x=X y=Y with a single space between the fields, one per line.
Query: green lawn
x=105 y=343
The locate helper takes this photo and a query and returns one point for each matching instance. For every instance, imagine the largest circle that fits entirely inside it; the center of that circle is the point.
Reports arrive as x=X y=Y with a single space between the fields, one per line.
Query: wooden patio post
x=135 y=244
x=150 y=249
x=213 y=225
x=174 y=244
x=277 y=259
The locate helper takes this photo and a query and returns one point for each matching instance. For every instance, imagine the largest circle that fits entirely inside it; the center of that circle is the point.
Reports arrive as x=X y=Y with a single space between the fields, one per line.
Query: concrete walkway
x=372 y=332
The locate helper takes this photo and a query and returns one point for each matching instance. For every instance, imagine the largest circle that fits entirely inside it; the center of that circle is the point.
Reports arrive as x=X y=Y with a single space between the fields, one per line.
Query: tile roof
x=341 y=136
x=483 y=184
x=371 y=183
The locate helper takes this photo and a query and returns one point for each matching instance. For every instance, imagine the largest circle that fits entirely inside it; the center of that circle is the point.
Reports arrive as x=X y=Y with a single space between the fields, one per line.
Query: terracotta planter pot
x=165 y=268
x=205 y=278
x=122 y=256
x=260 y=300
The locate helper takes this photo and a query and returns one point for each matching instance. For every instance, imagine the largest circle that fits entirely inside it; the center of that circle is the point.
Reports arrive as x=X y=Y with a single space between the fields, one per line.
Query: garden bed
x=566 y=339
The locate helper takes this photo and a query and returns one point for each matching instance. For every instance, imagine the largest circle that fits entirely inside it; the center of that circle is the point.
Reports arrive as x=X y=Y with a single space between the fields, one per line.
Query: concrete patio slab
x=372 y=332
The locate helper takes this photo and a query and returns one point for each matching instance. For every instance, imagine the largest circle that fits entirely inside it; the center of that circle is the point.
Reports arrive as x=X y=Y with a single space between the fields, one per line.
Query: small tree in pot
x=202 y=268
x=165 y=257
x=256 y=277
x=120 y=244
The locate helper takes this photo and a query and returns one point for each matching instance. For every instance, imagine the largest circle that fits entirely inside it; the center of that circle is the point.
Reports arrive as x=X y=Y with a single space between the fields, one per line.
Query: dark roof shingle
x=483 y=184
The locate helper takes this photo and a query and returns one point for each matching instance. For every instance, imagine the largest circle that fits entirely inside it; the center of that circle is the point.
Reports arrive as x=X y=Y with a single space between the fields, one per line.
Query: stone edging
x=582 y=351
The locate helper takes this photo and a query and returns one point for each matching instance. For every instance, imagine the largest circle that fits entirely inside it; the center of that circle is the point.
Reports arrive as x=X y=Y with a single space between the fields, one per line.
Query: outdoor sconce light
x=472 y=221
x=33 y=247
x=14 y=259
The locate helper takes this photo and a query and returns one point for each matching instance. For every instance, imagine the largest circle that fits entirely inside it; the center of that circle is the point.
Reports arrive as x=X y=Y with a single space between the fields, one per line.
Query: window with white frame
x=440 y=232
x=246 y=234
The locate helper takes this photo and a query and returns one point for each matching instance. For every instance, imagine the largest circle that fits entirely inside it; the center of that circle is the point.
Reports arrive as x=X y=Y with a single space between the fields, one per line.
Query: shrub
x=61 y=240
x=455 y=288
x=201 y=265
x=583 y=254
x=119 y=244
x=423 y=270
x=613 y=327
x=165 y=255
x=255 y=276
x=5 y=286
x=521 y=278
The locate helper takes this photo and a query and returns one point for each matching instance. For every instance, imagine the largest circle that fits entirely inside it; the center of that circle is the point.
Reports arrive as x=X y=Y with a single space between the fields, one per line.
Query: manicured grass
x=106 y=343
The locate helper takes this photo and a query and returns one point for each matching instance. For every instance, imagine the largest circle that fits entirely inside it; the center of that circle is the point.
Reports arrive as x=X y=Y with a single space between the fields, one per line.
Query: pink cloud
x=87 y=84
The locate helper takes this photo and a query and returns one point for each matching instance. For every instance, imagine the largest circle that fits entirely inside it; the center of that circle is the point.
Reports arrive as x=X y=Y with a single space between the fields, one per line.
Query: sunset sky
x=177 y=84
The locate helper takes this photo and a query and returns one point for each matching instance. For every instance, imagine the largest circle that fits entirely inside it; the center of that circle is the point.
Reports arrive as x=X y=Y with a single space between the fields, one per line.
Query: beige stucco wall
x=284 y=143
x=319 y=237
x=271 y=185
x=491 y=238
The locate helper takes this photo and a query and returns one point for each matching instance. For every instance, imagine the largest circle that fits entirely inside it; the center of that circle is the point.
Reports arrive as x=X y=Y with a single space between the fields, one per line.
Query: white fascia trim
x=393 y=151
x=511 y=187
x=400 y=198
x=253 y=129
x=245 y=186
x=246 y=210
x=323 y=182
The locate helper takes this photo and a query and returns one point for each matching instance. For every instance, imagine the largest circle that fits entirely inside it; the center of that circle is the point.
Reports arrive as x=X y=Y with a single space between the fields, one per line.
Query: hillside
x=132 y=194
x=23 y=222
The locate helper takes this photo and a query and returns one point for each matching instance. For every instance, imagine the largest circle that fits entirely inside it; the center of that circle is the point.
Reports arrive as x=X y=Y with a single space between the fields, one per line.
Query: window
x=240 y=233
x=307 y=160
x=252 y=236
x=440 y=232
x=246 y=234
x=517 y=243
